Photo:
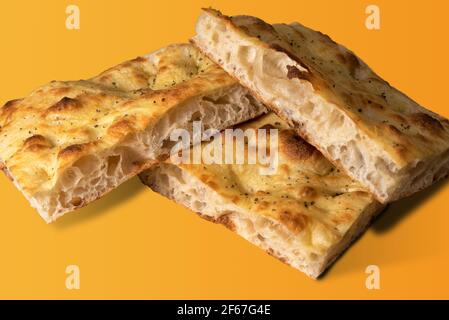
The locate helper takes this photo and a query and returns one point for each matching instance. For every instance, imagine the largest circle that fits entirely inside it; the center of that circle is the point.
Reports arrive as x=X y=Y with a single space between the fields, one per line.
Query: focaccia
x=306 y=213
x=68 y=143
x=376 y=134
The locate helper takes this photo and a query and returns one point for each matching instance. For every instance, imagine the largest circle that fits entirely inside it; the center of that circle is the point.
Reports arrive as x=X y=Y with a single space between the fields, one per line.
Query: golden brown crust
x=381 y=126
x=291 y=124
x=427 y=123
x=295 y=222
x=295 y=147
x=36 y=143
x=224 y=220
x=305 y=214
x=308 y=195
x=66 y=104
x=72 y=151
x=359 y=99
x=60 y=122
x=10 y=104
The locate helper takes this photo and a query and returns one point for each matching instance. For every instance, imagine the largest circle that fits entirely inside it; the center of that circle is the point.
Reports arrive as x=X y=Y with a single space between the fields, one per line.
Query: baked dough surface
x=378 y=135
x=305 y=214
x=69 y=142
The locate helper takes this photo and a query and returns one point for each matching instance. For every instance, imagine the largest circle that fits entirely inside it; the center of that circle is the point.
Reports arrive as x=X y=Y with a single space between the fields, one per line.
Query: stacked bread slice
x=374 y=135
x=347 y=142
x=69 y=143
x=305 y=214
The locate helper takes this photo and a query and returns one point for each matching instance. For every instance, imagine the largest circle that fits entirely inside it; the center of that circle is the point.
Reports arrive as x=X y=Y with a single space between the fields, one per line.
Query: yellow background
x=134 y=243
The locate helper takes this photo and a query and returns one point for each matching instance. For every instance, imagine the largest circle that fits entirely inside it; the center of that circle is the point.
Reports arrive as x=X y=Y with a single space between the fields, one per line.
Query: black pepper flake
x=337 y=194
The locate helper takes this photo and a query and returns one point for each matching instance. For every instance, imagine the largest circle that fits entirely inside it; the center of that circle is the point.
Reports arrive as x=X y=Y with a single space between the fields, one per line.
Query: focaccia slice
x=306 y=214
x=69 y=143
x=378 y=135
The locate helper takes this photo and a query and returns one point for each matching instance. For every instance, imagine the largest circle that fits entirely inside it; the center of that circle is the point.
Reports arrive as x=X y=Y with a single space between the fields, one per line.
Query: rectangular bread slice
x=306 y=214
x=378 y=135
x=69 y=143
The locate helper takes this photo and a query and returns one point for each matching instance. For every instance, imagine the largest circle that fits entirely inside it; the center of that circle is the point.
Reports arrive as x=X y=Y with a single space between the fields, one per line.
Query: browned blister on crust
x=378 y=135
x=70 y=142
x=305 y=213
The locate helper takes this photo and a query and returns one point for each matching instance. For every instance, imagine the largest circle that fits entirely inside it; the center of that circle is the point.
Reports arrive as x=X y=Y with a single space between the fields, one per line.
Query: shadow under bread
x=121 y=194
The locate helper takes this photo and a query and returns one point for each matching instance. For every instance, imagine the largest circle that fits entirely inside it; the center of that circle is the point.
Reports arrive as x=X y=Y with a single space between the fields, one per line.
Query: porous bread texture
x=268 y=234
x=93 y=175
x=305 y=213
x=379 y=136
x=69 y=143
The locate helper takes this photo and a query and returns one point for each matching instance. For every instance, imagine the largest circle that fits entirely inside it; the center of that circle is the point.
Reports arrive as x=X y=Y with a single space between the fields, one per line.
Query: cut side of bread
x=376 y=134
x=306 y=214
x=69 y=143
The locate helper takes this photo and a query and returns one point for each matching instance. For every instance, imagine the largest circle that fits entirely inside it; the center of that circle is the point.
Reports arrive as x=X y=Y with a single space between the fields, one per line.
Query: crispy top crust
x=43 y=134
x=407 y=131
x=307 y=194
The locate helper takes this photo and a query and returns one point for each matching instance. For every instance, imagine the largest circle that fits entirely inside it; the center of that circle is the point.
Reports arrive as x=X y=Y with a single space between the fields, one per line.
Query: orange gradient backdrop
x=135 y=244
